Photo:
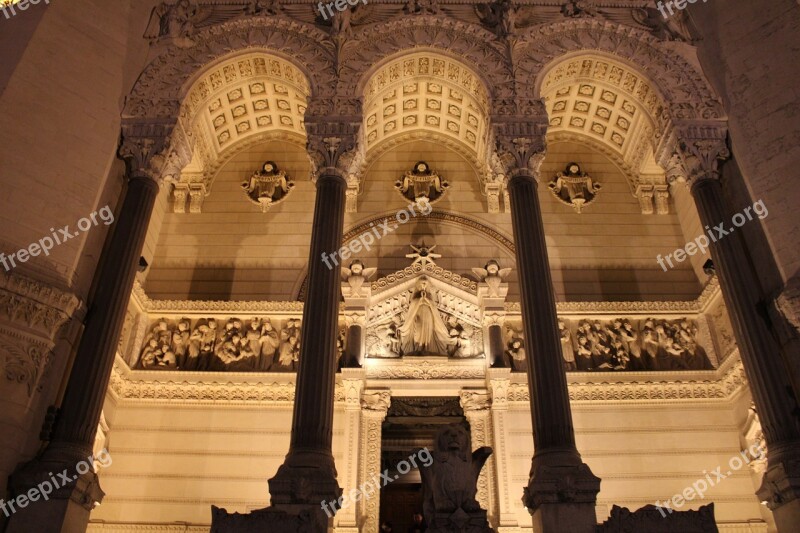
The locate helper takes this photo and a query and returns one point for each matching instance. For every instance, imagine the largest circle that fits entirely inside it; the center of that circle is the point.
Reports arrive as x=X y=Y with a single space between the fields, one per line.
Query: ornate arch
x=472 y=45
x=161 y=88
x=686 y=92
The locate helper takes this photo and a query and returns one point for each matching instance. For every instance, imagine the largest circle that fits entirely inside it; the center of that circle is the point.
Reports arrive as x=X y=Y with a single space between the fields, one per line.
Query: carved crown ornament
x=574 y=188
x=267 y=186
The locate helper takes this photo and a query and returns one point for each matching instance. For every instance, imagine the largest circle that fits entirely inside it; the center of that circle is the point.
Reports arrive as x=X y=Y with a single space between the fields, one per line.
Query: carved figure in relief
x=175 y=21
x=493 y=276
x=674 y=28
x=422 y=7
x=289 y=353
x=388 y=335
x=267 y=186
x=631 y=339
x=421 y=184
x=516 y=349
x=208 y=345
x=180 y=342
x=574 y=187
x=263 y=7
x=450 y=483
x=584 y=353
x=578 y=9
x=356 y=275
x=567 y=352
x=423 y=330
x=269 y=343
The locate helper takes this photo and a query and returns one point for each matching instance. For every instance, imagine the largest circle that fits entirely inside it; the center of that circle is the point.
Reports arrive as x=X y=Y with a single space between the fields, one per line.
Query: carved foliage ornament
x=573 y=187
x=267 y=186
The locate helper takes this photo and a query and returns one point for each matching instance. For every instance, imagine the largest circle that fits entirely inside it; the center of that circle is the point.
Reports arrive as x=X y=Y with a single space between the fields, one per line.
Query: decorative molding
x=721 y=384
x=34 y=305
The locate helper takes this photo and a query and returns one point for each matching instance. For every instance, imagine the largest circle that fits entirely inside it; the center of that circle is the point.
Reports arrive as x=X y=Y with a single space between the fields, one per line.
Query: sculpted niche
x=574 y=187
x=421 y=183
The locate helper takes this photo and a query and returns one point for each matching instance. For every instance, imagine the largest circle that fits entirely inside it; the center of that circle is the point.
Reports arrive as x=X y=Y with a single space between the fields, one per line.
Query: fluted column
x=767 y=373
x=79 y=414
x=562 y=490
x=308 y=474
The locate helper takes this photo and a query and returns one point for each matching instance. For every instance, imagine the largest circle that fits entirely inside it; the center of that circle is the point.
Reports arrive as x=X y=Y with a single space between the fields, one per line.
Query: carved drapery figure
x=574 y=187
x=175 y=21
x=267 y=186
x=450 y=483
x=516 y=349
x=289 y=353
x=567 y=351
x=423 y=331
x=421 y=184
x=578 y=9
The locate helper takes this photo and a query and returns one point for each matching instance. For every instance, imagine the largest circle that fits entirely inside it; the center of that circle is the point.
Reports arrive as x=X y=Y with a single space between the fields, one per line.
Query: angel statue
x=493 y=276
x=355 y=276
x=423 y=331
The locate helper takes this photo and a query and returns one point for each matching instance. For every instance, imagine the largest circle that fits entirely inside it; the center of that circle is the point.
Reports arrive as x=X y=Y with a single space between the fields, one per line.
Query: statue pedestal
x=461 y=522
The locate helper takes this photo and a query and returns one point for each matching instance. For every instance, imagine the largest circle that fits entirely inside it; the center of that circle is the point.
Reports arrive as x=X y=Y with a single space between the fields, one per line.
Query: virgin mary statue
x=423 y=332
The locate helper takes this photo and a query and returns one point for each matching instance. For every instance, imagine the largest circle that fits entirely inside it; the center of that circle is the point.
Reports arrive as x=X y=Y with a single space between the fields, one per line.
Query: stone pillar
x=476 y=405
x=562 y=490
x=498 y=381
x=76 y=424
x=698 y=158
x=375 y=406
x=497 y=356
x=308 y=474
x=353 y=379
x=356 y=307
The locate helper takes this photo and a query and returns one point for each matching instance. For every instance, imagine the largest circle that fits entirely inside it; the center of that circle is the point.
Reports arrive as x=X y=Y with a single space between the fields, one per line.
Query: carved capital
x=697 y=153
x=520 y=147
x=333 y=147
x=474 y=400
x=145 y=148
x=34 y=306
x=376 y=401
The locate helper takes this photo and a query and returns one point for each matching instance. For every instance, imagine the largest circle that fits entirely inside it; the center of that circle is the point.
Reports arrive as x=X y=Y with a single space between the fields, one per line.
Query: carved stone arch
x=160 y=89
x=424 y=135
x=470 y=44
x=671 y=68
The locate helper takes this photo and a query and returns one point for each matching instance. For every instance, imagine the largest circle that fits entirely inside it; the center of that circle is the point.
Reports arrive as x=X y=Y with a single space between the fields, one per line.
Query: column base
x=56 y=498
x=561 y=494
x=287 y=519
x=305 y=478
x=780 y=488
x=460 y=522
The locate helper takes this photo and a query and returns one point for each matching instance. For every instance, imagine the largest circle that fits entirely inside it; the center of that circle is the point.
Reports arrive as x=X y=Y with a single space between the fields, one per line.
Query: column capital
x=474 y=400
x=376 y=402
x=335 y=147
x=149 y=152
x=696 y=154
x=520 y=147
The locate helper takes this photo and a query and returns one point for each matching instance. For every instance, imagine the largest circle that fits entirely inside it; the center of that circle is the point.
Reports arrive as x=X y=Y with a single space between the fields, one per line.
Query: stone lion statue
x=450 y=484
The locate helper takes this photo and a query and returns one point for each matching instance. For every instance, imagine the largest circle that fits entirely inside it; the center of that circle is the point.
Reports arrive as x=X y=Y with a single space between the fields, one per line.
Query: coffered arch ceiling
x=607 y=105
x=239 y=101
x=426 y=94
